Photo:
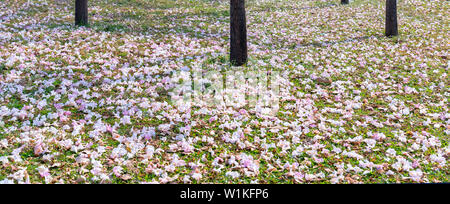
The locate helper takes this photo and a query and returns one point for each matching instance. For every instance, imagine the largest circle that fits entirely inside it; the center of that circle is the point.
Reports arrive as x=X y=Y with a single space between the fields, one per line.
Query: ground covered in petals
x=92 y=104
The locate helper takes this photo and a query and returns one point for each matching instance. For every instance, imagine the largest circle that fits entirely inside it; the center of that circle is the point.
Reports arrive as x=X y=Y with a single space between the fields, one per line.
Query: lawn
x=96 y=104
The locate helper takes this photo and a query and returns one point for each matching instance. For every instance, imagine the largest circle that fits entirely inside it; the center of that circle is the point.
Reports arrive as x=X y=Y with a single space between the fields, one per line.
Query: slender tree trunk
x=391 y=18
x=81 y=12
x=344 y=1
x=238 y=32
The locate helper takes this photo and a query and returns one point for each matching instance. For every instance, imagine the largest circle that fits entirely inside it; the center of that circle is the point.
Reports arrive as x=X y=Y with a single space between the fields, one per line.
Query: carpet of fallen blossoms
x=91 y=105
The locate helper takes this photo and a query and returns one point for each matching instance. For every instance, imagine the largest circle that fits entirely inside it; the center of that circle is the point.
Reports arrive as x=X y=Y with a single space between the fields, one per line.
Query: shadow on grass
x=292 y=8
x=331 y=43
x=156 y=24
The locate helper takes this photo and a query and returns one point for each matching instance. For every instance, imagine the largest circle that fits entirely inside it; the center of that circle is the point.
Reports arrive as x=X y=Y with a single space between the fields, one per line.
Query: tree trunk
x=391 y=18
x=238 y=32
x=344 y=1
x=81 y=12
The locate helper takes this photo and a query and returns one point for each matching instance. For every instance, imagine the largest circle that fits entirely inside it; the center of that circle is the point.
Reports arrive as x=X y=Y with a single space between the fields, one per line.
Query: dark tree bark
x=81 y=12
x=391 y=18
x=238 y=32
x=344 y=1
